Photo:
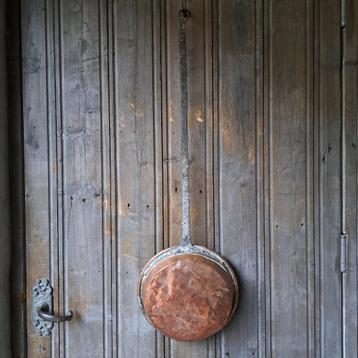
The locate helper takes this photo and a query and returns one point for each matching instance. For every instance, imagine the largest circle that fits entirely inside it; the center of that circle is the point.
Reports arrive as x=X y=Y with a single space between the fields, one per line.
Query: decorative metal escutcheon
x=42 y=308
x=41 y=296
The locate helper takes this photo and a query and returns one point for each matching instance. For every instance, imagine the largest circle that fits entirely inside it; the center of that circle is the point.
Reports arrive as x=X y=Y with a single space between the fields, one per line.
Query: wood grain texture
x=102 y=168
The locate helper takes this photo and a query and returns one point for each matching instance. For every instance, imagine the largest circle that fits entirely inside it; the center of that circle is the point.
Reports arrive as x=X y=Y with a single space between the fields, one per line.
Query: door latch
x=42 y=308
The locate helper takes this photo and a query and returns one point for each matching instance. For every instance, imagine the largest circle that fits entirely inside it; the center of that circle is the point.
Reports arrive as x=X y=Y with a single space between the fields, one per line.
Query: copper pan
x=187 y=292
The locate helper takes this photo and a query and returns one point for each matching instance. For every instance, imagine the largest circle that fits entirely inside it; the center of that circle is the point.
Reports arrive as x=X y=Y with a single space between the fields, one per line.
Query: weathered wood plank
x=310 y=178
x=213 y=93
x=350 y=98
x=266 y=174
x=36 y=160
x=135 y=169
x=288 y=165
x=210 y=115
x=260 y=177
x=55 y=202
x=158 y=115
x=328 y=204
x=110 y=196
x=166 y=163
x=108 y=201
x=237 y=166
x=82 y=168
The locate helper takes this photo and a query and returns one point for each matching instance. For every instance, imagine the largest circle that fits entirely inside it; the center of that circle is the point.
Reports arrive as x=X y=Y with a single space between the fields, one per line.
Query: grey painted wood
x=4 y=197
x=102 y=169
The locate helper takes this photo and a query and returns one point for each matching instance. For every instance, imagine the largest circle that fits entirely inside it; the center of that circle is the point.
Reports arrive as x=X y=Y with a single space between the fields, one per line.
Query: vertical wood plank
x=165 y=119
x=266 y=172
x=108 y=205
x=210 y=95
x=310 y=178
x=110 y=199
x=328 y=102
x=350 y=97
x=36 y=160
x=289 y=159
x=173 y=122
x=135 y=168
x=260 y=177
x=82 y=168
x=54 y=123
x=215 y=143
x=158 y=137
x=237 y=166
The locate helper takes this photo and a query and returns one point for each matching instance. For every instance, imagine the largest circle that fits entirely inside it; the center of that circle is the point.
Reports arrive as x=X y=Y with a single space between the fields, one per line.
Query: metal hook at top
x=184 y=15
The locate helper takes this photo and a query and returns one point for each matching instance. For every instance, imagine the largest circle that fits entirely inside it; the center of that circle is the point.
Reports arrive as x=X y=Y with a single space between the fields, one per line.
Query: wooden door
x=267 y=99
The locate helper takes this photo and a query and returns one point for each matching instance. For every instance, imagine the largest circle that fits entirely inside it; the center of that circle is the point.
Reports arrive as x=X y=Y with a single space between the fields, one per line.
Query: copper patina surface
x=188 y=297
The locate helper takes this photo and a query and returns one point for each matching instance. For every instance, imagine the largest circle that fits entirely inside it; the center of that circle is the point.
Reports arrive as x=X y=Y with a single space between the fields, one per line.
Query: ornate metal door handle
x=43 y=312
x=42 y=308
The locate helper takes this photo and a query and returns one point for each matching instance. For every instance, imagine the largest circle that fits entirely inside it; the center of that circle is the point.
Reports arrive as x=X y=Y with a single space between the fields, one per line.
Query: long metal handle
x=43 y=310
x=184 y=16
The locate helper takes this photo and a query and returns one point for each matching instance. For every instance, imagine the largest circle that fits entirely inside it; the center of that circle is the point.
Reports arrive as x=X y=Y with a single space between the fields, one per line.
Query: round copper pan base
x=188 y=293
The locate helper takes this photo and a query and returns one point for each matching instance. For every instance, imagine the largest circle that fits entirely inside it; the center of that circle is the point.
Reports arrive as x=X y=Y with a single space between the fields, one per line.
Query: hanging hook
x=184 y=15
